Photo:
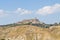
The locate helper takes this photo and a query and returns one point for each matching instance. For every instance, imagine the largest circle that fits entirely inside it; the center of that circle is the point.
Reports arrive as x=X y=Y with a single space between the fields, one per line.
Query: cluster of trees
x=30 y=23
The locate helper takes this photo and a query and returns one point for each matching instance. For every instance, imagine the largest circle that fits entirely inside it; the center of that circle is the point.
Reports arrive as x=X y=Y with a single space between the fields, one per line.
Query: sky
x=12 y=11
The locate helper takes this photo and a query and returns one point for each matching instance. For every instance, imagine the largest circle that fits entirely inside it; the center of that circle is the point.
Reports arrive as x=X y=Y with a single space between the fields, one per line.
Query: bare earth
x=28 y=32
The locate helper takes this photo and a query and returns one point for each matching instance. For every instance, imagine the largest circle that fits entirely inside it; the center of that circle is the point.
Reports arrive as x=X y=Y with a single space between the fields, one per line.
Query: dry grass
x=28 y=32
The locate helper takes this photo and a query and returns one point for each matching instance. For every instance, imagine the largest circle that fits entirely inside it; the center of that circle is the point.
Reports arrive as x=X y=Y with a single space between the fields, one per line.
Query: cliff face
x=28 y=32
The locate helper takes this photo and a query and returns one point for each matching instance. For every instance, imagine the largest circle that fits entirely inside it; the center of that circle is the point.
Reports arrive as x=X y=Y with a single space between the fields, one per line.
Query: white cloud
x=2 y=13
x=43 y=11
x=23 y=11
x=18 y=11
x=49 y=9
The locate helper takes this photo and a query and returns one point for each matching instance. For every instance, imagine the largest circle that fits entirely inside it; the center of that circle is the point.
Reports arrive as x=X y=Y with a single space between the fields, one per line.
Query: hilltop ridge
x=33 y=22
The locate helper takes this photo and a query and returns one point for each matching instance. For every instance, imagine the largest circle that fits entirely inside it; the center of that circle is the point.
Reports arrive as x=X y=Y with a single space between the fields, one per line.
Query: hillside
x=28 y=32
x=31 y=29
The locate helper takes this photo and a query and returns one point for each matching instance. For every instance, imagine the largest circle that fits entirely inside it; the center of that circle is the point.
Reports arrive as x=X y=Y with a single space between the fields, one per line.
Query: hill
x=29 y=32
x=31 y=29
x=33 y=22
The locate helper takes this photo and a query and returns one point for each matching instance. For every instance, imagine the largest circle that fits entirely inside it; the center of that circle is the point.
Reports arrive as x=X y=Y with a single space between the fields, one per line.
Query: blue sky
x=12 y=11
